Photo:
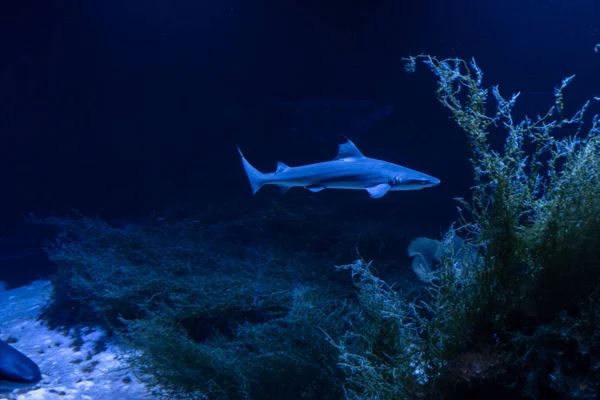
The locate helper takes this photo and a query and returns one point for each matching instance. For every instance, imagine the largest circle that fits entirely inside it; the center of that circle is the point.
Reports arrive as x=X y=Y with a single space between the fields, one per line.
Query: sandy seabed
x=89 y=371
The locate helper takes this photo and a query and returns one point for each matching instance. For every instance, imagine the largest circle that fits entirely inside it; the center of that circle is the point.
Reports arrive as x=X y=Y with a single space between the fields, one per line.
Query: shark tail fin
x=256 y=178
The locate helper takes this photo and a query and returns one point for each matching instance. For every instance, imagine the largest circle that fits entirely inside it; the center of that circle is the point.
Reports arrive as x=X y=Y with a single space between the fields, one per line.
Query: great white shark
x=350 y=169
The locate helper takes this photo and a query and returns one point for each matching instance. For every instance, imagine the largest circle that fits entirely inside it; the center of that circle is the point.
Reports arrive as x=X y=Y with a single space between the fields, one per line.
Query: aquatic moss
x=534 y=212
x=284 y=354
x=386 y=355
x=202 y=318
x=531 y=230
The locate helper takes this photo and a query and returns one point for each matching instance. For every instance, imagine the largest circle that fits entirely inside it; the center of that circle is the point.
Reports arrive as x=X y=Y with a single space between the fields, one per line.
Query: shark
x=350 y=169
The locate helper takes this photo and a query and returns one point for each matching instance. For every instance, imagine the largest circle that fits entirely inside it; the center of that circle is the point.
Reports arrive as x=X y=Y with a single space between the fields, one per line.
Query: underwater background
x=123 y=188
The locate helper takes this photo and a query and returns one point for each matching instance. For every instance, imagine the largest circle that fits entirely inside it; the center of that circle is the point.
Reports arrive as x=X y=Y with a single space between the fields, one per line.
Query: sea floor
x=87 y=370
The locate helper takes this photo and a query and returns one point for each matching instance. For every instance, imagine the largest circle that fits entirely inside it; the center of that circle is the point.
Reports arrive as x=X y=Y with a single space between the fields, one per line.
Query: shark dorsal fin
x=281 y=167
x=348 y=150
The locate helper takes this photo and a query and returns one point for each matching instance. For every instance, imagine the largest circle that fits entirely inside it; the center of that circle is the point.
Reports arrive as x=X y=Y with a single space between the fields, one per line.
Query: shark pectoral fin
x=315 y=189
x=281 y=167
x=378 y=191
x=284 y=188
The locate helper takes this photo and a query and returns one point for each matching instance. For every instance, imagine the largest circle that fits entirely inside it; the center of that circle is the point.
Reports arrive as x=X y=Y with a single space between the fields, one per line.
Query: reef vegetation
x=213 y=307
x=513 y=311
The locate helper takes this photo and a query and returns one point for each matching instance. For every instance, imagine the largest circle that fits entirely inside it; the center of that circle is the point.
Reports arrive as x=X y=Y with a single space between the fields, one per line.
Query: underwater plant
x=201 y=316
x=533 y=222
x=534 y=211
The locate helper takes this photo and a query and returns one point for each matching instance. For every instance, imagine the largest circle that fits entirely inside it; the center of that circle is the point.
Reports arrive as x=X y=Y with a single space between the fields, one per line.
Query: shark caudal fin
x=255 y=177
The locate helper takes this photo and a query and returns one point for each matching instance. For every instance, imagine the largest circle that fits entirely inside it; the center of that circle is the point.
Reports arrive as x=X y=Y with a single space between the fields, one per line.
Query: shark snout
x=428 y=181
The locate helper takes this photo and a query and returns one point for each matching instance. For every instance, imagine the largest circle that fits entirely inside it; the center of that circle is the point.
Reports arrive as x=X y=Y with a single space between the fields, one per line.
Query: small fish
x=349 y=170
